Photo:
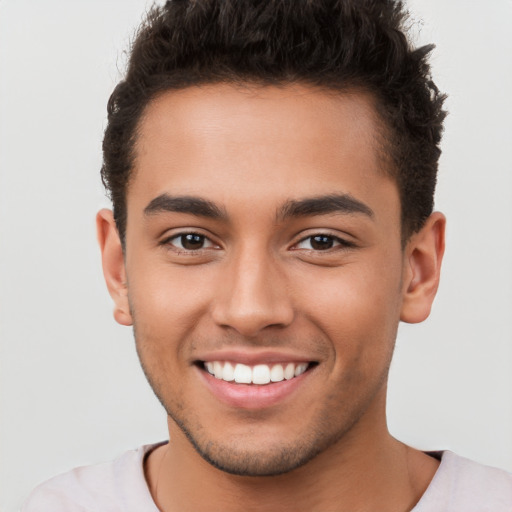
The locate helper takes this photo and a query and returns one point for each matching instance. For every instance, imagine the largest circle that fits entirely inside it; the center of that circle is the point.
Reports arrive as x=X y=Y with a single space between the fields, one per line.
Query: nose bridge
x=253 y=293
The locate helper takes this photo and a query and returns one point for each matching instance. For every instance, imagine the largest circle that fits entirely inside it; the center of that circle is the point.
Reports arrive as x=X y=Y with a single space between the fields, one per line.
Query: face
x=264 y=271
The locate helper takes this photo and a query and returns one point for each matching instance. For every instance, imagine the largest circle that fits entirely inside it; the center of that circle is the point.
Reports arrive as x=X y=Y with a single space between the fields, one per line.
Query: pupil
x=192 y=241
x=321 y=242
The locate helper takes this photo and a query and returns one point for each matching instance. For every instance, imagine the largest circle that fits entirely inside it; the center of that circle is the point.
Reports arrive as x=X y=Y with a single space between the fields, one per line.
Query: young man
x=272 y=168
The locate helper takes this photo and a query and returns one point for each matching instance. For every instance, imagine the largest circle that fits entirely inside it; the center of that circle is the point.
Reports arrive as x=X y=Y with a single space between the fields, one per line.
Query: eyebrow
x=184 y=204
x=310 y=206
x=323 y=205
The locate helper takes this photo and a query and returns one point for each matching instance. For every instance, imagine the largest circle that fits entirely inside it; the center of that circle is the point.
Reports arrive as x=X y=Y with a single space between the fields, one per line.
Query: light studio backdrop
x=71 y=389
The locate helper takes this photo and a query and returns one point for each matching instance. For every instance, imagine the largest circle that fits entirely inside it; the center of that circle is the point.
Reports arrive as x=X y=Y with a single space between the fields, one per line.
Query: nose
x=252 y=296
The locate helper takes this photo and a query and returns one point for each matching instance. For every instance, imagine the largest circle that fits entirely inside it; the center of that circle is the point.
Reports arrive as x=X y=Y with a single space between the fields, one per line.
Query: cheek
x=168 y=298
x=167 y=305
x=358 y=307
x=167 y=309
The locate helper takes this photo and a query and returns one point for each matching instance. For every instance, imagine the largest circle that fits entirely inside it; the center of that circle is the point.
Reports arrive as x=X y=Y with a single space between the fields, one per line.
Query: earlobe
x=114 y=269
x=422 y=268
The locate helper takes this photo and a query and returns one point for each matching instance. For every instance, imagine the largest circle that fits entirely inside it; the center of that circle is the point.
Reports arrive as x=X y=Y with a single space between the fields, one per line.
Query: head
x=331 y=45
x=272 y=167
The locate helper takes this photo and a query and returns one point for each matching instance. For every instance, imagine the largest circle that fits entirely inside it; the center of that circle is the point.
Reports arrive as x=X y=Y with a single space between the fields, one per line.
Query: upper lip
x=254 y=357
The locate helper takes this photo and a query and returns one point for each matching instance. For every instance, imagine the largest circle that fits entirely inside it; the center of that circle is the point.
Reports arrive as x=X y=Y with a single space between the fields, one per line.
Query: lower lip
x=253 y=396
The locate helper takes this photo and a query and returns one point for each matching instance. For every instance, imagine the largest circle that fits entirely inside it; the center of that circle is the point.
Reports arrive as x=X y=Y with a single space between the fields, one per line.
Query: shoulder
x=114 y=486
x=462 y=484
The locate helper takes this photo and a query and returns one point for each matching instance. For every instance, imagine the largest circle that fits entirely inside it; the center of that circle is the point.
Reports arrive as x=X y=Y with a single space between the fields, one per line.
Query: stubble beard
x=238 y=461
x=235 y=459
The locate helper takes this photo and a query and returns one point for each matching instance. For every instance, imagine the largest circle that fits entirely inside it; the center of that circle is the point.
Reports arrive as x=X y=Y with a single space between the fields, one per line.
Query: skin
x=256 y=284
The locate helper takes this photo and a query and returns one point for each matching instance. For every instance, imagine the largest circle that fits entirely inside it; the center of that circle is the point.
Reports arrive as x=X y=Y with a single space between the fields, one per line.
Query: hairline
x=382 y=136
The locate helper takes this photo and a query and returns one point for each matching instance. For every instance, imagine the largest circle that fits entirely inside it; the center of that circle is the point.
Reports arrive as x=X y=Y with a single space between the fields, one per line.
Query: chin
x=257 y=462
x=250 y=455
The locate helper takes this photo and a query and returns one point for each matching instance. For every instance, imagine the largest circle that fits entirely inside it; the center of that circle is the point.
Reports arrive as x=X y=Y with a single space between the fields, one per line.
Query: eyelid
x=340 y=242
x=167 y=240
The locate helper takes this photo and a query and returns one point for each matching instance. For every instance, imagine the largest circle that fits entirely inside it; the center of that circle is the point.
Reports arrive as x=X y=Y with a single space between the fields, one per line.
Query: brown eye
x=192 y=241
x=321 y=242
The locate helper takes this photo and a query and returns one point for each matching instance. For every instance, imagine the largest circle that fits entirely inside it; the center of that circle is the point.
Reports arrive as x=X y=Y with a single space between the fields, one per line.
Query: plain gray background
x=71 y=389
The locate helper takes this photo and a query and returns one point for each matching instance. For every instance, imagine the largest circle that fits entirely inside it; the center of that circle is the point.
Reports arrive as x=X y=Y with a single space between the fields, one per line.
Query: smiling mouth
x=259 y=374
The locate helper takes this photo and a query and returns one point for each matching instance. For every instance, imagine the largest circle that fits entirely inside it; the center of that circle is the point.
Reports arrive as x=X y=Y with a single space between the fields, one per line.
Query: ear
x=422 y=267
x=114 y=269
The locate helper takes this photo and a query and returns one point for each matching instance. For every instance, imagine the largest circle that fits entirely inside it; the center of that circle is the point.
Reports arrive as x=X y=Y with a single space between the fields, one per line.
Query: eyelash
x=180 y=236
x=336 y=242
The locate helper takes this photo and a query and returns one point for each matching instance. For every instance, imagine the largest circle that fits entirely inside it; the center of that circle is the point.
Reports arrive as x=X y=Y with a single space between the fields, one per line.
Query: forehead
x=220 y=140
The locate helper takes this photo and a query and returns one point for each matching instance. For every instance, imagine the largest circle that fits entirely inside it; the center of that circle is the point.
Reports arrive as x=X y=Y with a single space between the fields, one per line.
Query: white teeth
x=277 y=373
x=243 y=374
x=217 y=369
x=259 y=374
x=300 y=369
x=289 y=371
x=228 y=374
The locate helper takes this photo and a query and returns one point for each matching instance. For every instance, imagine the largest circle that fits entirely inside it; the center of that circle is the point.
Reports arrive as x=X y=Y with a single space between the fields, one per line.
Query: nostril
x=252 y=297
x=249 y=322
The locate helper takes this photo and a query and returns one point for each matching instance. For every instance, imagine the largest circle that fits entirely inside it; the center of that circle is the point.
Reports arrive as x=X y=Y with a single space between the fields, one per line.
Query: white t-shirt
x=459 y=485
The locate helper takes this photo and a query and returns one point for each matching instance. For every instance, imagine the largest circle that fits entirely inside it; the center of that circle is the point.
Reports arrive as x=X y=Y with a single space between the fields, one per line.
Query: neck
x=364 y=471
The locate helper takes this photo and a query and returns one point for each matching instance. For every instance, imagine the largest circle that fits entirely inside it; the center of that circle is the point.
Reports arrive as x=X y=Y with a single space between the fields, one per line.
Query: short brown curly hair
x=331 y=44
